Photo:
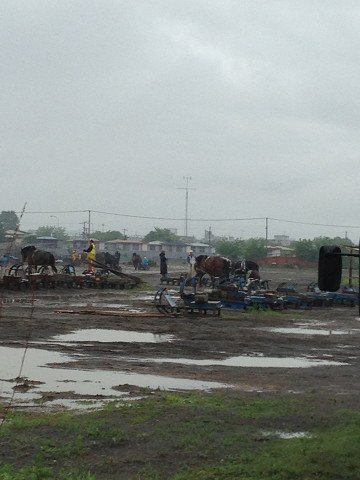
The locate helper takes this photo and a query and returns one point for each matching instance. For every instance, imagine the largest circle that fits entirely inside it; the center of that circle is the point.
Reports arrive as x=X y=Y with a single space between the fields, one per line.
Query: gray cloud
x=106 y=105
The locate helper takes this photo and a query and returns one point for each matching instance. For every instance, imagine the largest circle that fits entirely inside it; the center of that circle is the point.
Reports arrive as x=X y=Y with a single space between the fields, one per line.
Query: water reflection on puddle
x=312 y=331
x=76 y=404
x=120 y=306
x=286 y=435
x=81 y=382
x=145 y=298
x=103 y=335
x=248 y=361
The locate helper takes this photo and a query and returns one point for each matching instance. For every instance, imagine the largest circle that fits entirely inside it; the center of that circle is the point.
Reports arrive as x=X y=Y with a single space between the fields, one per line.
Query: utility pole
x=89 y=223
x=266 y=234
x=186 y=188
x=84 y=232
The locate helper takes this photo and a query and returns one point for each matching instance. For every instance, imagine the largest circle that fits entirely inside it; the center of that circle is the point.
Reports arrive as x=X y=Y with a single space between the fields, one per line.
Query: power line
x=137 y=216
x=148 y=217
x=314 y=224
x=201 y=219
x=58 y=211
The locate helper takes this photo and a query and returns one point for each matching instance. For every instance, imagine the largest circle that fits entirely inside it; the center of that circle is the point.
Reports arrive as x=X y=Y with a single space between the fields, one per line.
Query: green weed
x=7 y=472
x=328 y=454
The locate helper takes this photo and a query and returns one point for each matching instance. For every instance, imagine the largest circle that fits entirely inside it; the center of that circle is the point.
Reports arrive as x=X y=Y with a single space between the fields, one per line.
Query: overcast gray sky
x=106 y=105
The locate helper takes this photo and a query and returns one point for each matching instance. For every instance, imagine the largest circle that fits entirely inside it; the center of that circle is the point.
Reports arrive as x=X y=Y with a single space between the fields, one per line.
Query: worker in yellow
x=91 y=254
x=74 y=257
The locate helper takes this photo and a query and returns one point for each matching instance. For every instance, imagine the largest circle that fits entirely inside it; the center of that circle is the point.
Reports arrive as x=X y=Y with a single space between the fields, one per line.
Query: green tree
x=109 y=235
x=9 y=220
x=307 y=249
x=233 y=249
x=250 y=249
x=255 y=248
x=30 y=239
x=50 y=231
x=2 y=233
x=162 y=235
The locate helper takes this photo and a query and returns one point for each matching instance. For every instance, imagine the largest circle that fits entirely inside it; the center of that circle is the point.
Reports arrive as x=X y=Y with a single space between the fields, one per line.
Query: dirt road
x=56 y=350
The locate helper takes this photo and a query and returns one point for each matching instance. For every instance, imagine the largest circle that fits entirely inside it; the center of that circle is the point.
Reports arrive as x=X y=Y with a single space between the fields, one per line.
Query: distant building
x=201 y=248
x=54 y=245
x=178 y=251
x=283 y=240
x=279 y=251
x=47 y=243
x=173 y=250
x=285 y=260
x=208 y=237
x=125 y=247
x=15 y=236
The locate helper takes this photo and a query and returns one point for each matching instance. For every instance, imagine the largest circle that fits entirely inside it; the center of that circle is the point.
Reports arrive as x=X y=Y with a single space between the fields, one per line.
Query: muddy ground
x=319 y=353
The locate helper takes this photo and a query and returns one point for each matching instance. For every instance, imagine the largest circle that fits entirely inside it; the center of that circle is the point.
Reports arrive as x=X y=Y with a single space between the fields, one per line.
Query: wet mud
x=63 y=347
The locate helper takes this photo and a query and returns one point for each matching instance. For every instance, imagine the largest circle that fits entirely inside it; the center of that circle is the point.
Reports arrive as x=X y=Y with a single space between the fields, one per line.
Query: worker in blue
x=4 y=260
x=146 y=263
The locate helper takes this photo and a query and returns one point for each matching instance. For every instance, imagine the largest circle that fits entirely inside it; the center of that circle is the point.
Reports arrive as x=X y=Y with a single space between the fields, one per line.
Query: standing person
x=136 y=260
x=74 y=257
x=191 y=262
x=4 y=261
x=145 y=263
x=91 y=253
x=117 y=257
x=163 y=263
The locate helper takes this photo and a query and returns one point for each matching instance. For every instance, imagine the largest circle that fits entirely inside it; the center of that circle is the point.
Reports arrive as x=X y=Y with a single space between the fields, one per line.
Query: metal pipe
x=89 y=223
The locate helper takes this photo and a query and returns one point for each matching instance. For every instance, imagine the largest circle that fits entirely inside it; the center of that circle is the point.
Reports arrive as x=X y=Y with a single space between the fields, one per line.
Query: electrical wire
x=201 y=219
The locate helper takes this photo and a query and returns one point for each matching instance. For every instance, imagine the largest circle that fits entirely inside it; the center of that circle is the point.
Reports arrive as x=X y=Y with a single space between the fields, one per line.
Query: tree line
x=252 y=248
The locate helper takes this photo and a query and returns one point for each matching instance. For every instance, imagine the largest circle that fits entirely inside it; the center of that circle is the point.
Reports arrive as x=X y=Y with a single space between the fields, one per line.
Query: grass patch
x=355 y=281
x=216 y=436
x=267 y=312
x=329 y=454
x=7 y=472
x=143 y=286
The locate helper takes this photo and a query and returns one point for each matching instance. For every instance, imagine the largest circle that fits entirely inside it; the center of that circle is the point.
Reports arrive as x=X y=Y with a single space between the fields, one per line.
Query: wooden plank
x=112 y=313
x=116 y=272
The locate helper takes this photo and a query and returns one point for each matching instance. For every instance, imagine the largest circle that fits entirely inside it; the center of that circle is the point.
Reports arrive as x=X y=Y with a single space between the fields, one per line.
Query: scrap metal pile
x=240 y=294
x=258 y=294
x=21 y=277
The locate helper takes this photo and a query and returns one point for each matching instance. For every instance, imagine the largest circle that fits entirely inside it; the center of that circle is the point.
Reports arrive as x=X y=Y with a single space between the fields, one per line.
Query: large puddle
x=42 y=372
x=105 y=335
x=251 y=361
x=39 y=367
